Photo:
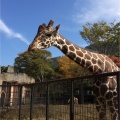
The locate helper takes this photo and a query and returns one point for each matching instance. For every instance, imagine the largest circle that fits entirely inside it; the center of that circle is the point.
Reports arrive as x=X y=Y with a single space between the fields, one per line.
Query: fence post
x=31 y=102
x=118 y=90
x=72 y=101
x=81 y=93
x=47 y=102
x=20 y=102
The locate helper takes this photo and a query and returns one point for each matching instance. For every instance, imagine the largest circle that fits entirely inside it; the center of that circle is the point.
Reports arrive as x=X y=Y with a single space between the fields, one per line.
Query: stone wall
x=20 y=77
x=10 y=93
x=10 y=76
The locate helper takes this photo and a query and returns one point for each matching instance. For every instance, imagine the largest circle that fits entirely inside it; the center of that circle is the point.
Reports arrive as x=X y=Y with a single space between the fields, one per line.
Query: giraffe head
x=46 y=37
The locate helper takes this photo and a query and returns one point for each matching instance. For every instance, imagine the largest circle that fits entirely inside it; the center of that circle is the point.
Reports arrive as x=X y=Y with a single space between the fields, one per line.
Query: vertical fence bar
x=118 y=90
x=81 y=92
x=20 y=102
x=72 y=101
x=47 y=102
x=31 y=102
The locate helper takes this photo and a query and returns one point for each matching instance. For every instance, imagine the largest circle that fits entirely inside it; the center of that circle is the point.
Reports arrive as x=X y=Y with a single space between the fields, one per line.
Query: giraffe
x=75 y=101
x=96 y=63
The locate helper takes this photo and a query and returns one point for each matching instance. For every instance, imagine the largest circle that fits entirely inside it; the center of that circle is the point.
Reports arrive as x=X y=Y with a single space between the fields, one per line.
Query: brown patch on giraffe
x=52 y=42
x=83 y=62
x=101 y=57
x=94 y=61
x=108 y=66
x=110 y=103
x=95 y=68
x=68 y=43
x=47 y=42
x=98 y=83
x=112 y=109
x=39 y=38
x=94 y=56
x=76 y=47
x=101 y=63
x=109 y=95
x=113 y=67
x=115 y=99
x=87 y=56
x=112 y=83
x=88 y=63
x=103 y=89
x=115 y=93
x=43 y=44
x=89 y=53
x=96 y=91
x=101 y=99
x=72 y=55
x=72 y=48
x=79 y=53
x=83 y=51
x=78 y=60
x=65 y=49
x=90 y=68
x=61 y=41
x=114 y=115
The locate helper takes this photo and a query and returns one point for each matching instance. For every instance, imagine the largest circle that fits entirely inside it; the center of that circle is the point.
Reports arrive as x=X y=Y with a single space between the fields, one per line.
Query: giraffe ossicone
x=96 y=63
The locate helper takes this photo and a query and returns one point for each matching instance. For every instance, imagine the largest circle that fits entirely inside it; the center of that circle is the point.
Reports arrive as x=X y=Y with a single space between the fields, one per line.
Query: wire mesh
x=67 y=99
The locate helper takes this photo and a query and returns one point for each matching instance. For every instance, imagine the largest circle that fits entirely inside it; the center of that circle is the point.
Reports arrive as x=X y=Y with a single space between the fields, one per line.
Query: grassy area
x=56 y=112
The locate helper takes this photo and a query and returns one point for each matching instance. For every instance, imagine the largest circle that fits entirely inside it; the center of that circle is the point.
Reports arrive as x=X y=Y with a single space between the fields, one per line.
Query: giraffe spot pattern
x=72 y=48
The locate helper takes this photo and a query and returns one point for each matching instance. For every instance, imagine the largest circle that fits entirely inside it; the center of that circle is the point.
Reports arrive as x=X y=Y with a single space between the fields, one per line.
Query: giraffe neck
x=94 y=62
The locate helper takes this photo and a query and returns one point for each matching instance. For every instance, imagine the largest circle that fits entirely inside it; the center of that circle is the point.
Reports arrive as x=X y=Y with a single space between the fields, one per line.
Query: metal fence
x=65 y=99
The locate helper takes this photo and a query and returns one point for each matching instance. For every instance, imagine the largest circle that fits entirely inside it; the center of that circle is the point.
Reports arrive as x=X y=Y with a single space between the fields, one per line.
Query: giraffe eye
x=48 y=35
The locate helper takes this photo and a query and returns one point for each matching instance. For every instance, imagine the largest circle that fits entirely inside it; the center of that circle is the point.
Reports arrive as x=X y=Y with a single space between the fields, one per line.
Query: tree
x=3 y=69
x=68 y=68
x=102 y=37
x=35 y=64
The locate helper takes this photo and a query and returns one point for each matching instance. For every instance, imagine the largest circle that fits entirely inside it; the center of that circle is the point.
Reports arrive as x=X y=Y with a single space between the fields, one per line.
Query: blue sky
x=19 y=21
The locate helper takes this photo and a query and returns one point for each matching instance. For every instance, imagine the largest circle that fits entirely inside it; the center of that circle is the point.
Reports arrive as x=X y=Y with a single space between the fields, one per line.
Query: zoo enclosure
x=49 y=100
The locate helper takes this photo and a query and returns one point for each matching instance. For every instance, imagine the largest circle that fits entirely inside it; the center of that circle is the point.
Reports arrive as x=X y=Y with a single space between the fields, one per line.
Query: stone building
x=10 y=86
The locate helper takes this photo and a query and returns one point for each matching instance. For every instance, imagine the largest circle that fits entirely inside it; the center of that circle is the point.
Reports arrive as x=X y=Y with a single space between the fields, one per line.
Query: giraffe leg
x=114 y=116
x=101 y=108
x=113 y=107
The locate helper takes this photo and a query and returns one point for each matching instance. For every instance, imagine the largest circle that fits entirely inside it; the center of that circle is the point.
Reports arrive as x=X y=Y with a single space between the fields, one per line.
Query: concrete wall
x=11 y=76
x=20 y=77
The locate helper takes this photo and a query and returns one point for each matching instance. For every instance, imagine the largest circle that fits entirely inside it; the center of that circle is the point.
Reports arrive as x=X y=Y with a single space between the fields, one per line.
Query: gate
x=64 y=99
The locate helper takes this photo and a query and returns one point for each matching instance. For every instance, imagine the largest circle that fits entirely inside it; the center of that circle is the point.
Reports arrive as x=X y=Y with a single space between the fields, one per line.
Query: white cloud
x=96 y=10
x=9 y=32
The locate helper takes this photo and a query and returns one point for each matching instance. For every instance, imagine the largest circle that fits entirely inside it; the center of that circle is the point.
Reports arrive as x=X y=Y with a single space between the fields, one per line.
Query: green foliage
x=3 y=69
x=102 y=37
x=36 y=64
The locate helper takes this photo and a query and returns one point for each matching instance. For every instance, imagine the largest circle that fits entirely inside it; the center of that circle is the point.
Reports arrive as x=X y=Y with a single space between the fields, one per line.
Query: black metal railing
x=53 y=100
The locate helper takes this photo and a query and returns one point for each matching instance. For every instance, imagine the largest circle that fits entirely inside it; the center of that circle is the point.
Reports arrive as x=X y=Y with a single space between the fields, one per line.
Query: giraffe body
x=105 y=90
